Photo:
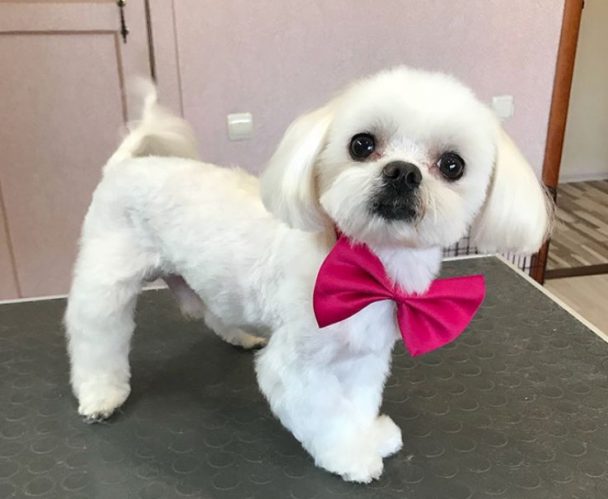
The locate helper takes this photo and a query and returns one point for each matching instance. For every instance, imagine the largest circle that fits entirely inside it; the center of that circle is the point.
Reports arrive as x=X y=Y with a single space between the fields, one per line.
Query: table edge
x=500 y=258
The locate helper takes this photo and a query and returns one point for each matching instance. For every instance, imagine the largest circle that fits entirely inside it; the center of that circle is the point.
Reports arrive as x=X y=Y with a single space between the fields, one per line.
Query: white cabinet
x=62 y=107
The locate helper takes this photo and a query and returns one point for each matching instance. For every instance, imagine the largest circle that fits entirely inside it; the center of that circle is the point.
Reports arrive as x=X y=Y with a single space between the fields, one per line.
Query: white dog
x=406 y=162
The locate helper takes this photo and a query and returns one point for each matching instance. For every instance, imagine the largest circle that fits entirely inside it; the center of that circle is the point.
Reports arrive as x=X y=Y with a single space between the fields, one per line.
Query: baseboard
x=582 y=177
x=601 y=268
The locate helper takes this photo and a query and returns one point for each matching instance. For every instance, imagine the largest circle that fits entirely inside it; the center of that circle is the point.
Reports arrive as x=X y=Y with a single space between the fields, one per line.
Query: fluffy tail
x=158 y=133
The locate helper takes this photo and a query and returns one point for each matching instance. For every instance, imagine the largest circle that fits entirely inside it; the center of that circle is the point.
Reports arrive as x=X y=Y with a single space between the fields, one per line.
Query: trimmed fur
x=248 y=267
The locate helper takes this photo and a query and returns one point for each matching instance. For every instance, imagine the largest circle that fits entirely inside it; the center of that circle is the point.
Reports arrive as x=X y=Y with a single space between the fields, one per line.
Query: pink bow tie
x=352 y=277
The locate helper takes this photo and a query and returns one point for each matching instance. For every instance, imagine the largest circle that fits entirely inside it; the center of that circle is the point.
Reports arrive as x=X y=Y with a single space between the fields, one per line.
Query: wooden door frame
x=558 y=114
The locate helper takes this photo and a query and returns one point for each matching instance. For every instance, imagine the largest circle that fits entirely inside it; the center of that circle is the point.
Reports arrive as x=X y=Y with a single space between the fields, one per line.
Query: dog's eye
x=362 y=146
x=451 y=166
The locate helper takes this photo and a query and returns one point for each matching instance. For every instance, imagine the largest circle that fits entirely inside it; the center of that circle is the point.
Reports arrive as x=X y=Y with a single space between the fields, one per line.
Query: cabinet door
x=63 y=106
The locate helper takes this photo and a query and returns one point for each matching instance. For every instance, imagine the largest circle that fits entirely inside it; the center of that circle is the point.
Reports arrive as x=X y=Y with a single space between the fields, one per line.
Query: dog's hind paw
x=241 y=339
x=249 y=341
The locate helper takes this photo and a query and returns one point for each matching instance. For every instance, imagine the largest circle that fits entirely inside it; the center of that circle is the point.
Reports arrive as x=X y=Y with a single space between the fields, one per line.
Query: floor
x=587 y=295
x=580 y=237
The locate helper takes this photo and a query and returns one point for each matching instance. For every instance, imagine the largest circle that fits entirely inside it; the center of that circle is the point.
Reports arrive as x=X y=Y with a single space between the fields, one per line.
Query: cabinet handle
x=124 y=31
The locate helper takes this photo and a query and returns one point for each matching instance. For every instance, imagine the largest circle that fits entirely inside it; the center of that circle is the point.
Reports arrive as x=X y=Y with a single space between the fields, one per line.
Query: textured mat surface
x=516 y=408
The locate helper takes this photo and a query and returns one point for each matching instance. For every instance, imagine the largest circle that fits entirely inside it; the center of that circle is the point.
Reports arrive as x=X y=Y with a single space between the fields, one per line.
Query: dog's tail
x=158 y=133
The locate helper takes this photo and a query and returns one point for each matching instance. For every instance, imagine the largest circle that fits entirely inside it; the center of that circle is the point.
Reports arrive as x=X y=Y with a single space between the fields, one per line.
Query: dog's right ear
x=518 y=214
x=288 y=184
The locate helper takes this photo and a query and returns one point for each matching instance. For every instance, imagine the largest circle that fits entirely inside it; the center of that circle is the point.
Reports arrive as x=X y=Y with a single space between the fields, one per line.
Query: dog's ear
x=288 y=184
x=518 y=213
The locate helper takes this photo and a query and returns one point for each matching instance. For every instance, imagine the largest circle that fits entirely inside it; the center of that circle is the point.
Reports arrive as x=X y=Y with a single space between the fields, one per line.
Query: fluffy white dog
x=405 y=161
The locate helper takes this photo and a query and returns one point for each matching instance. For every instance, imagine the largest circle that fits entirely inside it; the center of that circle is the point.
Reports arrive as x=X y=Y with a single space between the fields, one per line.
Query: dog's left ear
x=288 y=184
x=517 y=214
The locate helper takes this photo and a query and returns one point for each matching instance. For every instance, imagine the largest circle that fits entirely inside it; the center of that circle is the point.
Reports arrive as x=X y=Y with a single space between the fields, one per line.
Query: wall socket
x=503 y=106
x=240 y=126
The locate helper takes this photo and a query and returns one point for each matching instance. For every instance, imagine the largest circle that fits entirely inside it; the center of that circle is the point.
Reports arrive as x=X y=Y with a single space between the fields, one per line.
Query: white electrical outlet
x=503 y=106
x=240 y=126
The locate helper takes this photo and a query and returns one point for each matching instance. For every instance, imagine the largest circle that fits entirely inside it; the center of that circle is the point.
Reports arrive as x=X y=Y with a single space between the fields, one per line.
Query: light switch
x=503 y=106
x=240 y=126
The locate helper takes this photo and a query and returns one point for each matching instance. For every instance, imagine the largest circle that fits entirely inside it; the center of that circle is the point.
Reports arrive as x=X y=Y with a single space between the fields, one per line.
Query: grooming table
x=516 y=408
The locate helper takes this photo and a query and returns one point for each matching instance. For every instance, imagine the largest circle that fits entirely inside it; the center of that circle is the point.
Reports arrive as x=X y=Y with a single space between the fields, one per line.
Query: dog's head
x=411 y=158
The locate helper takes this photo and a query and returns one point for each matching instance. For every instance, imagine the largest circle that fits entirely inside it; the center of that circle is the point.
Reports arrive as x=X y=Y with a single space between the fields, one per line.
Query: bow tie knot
x=352 y=277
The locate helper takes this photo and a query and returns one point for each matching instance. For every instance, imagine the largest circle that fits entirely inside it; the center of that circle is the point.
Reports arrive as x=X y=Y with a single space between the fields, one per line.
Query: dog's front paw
x=353 y=461
x=98 y=399
x=357 y=467
x=364 y=469
x=388 y=435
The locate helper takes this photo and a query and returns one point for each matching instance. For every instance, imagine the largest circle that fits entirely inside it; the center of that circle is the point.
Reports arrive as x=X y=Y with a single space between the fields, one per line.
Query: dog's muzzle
x=398 y=196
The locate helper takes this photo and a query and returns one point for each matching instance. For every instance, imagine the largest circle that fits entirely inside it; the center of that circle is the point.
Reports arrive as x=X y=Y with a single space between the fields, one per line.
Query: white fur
x=253 y=274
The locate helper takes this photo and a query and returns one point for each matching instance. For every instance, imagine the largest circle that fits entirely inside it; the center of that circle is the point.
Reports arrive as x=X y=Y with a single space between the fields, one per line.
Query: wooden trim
x=601 y=268
x=562 y=84
x=4 y=225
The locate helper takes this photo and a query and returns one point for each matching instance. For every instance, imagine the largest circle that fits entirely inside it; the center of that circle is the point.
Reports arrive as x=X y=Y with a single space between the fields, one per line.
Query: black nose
x=400 y=171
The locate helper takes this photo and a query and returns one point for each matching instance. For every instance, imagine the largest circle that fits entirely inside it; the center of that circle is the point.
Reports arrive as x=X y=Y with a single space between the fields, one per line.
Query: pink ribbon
x=352 y=277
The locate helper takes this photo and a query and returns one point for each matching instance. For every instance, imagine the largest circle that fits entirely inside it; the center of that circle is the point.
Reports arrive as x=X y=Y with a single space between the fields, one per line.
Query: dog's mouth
x=394 y=204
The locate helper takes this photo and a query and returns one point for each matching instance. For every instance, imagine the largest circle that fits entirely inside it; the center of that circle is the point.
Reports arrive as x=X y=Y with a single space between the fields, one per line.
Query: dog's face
x=407 y=158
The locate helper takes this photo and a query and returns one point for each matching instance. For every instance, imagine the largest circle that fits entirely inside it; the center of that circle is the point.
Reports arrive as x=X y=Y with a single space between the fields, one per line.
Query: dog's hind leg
x=193 y=307
x=234 y=335
x=99 y=319
x=190 y=304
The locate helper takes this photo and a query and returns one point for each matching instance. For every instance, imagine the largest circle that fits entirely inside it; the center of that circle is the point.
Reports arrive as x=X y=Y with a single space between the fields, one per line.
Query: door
x=62 y=104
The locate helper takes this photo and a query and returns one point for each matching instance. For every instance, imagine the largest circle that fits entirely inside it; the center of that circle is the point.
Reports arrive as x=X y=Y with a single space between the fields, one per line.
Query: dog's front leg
x=363 y=379
x=308 y=396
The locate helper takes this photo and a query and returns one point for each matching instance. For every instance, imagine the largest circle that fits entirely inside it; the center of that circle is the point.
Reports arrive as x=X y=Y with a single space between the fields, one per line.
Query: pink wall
x=278 y=58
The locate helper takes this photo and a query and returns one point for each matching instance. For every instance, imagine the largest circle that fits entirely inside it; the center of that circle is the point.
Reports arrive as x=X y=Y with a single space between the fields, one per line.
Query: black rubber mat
x=516 y=408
